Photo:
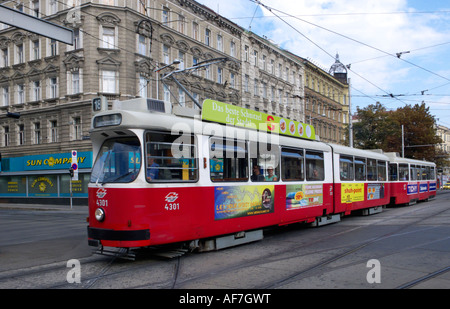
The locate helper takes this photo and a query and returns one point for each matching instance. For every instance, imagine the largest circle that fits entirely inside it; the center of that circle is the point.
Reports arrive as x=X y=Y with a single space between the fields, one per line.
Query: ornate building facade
x=327 y=101
x=121 y=49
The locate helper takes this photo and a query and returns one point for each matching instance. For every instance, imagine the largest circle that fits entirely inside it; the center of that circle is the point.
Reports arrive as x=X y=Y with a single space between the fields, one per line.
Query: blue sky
x=367 y=35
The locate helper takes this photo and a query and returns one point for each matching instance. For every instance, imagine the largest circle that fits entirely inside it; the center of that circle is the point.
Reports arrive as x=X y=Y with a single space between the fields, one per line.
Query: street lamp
x=157 y=70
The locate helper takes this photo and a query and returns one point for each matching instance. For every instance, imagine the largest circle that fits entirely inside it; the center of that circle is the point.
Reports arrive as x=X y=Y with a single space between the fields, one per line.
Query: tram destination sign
x=242 y=117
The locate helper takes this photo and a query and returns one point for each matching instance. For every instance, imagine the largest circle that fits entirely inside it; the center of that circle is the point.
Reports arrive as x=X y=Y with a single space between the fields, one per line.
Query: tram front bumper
x=96 y=235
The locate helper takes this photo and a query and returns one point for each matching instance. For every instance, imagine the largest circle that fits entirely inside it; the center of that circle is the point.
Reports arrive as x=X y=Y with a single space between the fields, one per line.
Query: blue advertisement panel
x=432 y=186
x=423 y=187
x=412 y=188
x=52 y=161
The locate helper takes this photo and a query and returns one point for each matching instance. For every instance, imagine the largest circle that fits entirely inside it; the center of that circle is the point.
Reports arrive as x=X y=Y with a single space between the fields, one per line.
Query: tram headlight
x=99 y=214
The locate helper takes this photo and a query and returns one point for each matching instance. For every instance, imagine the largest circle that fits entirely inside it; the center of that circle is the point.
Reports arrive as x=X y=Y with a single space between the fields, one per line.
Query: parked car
x=446 y=186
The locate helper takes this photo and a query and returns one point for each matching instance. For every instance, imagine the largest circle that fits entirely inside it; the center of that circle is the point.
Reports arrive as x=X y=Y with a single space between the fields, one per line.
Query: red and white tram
x=411 y=180
x=163 y=176
x=360 y=178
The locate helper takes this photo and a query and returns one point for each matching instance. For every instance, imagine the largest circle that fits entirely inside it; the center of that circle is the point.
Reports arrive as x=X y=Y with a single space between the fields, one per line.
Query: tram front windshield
x=118 y=161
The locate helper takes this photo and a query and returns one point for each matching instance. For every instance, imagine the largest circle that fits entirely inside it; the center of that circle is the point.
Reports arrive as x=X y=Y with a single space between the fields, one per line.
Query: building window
x=5 y=96
x=143 y=87
x=53 y=87
x=74 y=82
x=20 y=94
x=77 y=42
x=6 y=136
x=53 y=131
x=19 y=54
x=181 y=97
x=182 y=24
x=208 y=72
x=76 y=128
x=37 y=133
x=166 y=54
x=36 y=90
x=208 y=37
x=108 y=38
x=109 y=81
x=181 y=58
x=195 y=31
x=21 y=134
x=165 y=15
x=35 y=46
x=233 y=49
x=142 y=46
x=4 y=60
x=53 y=48
x=166 y=93
x=35 y=8
x=220 y=42
x=53 y=6
x=219 y=75
x=142 y=6
x=232 y=80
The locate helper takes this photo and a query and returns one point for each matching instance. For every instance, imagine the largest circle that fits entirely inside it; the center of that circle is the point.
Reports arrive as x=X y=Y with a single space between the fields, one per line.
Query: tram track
x=101 y=271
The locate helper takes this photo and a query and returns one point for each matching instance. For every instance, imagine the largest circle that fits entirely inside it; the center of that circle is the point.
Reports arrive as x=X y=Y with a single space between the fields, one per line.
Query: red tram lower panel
x=144 y=217
x=355 y=196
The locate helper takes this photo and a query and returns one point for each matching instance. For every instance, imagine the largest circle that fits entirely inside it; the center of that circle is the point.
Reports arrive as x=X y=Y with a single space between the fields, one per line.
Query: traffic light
x=71 y=172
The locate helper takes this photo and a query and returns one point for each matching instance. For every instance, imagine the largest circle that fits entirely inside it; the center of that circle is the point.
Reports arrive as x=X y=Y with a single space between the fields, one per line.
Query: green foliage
x=378 y=128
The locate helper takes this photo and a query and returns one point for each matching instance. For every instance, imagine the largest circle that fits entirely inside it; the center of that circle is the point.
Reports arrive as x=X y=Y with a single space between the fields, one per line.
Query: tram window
x=393 y=172
x=360 y=169
x=118 y=161
x=413 y=172
x=381 y=170
x=170 y=157
x=427 y=172
x=432 y=173
x=228 y=160
x=403 y=172
x=292 y=164
x=372 y=169
x=264 y=161
x=346 y=168
x=314 y=165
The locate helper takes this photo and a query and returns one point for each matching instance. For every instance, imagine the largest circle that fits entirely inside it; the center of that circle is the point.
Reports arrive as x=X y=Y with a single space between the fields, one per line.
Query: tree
x=378 y=128
x=373 y=127
x=420 y=137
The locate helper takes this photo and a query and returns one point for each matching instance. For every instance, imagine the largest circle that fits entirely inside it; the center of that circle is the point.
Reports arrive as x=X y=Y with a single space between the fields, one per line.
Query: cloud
x=362 y=32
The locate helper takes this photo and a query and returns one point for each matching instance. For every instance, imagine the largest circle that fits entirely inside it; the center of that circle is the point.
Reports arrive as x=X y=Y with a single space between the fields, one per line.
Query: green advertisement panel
x=43 y=186
x=13 y=186
x=237 y=116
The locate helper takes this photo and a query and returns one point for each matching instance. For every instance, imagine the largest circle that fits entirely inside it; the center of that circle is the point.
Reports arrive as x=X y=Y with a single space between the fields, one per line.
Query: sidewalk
x=46 y=207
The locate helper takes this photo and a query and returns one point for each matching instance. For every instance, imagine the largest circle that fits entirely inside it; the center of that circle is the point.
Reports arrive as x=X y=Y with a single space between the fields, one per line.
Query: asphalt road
x=402 y=247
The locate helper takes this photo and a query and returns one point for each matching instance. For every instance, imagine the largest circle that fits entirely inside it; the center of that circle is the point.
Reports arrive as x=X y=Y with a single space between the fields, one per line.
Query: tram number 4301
x=172 y=206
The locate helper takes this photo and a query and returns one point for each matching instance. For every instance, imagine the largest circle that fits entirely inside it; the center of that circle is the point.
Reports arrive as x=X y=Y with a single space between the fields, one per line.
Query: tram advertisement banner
x=299 y=196
x=412 y=188
x=375 y=191
x=237 y=116
x=352 y=192
x=242 y=201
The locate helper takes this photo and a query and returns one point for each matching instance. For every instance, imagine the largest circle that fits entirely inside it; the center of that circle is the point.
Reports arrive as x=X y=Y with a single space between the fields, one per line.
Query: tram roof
x=395 y=157
x=137 y=114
